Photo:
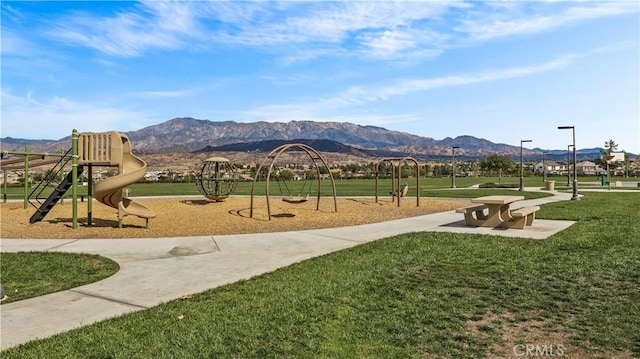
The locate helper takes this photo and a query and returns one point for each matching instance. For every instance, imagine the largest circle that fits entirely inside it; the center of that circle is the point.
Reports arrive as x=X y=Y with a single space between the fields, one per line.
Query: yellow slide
x=130 y=170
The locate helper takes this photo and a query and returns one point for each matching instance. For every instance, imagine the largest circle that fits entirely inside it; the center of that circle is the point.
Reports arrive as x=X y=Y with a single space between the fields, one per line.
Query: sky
x=499 y=70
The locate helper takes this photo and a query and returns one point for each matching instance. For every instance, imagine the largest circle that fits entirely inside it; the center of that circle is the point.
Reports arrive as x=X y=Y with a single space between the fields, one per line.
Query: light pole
x=569 y=165
x=521 y=167
x=544 y=168
x=575 y=170
x=608 y=159
x=453 y=166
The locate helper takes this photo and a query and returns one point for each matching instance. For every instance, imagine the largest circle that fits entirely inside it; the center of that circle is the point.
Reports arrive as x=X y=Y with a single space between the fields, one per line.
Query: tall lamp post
x=569 y=165
x=544 y=168
x=575 y=162
x=608 y=160
x=521 y=167
x=453 y=166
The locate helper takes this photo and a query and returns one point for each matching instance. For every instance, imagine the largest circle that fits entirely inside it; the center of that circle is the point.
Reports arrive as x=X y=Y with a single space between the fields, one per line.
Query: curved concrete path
x=156 y=270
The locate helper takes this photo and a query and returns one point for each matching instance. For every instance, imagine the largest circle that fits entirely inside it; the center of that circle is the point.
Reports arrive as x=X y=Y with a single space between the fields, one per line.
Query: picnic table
x=498 y=207
x=498 y=213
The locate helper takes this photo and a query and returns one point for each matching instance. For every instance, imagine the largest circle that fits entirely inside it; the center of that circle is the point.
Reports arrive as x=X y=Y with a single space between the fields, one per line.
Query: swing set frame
x=272 y=159
x=396 y=170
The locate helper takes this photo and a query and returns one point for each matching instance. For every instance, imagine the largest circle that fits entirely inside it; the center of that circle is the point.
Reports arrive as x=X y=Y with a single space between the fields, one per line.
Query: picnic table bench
x=498 y=213
x=474 y=214
x=521 y=217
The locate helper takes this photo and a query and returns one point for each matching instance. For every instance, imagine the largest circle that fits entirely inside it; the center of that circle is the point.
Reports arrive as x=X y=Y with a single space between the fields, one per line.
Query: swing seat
x=402 y=192
x=295 y=200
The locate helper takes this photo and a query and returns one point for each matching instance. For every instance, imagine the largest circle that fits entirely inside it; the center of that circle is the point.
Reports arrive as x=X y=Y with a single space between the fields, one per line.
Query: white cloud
x=13 y=14
x=302 y=31
x=375 y=29
x=163 y=25
x=54 y=118
x=164 y=94
x=178 y=25
x=358 y=95
x=16 y=44
x=354 y=103
x=504 y=24
x=388 y=42
x=402 y=43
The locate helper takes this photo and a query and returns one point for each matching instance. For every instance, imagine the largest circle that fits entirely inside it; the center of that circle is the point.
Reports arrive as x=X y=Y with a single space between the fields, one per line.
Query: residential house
x=589 y=168
x=299 y=176
x=552 y=167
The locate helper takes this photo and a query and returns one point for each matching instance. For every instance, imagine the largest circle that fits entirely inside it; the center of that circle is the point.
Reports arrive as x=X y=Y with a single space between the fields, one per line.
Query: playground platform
x=174 y=267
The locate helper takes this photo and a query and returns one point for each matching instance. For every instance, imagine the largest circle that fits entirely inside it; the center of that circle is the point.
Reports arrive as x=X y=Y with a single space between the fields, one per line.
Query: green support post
x=5 y=187
x=90 y=195
x=74 y=177
x=25 y=193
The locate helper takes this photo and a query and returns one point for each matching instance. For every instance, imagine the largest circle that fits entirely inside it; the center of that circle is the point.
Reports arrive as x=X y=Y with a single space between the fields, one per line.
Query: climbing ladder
x=48 y=181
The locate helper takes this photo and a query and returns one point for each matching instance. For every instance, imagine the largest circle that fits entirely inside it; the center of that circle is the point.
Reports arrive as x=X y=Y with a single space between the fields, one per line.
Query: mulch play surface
x=193 y=216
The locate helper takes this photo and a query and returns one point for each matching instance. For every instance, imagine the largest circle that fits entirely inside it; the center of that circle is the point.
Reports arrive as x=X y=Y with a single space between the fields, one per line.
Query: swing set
x=397 y=190
x=275 y=172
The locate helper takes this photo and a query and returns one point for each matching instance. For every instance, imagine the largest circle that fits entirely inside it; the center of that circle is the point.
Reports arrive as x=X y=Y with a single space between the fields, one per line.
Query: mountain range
x=184 y=135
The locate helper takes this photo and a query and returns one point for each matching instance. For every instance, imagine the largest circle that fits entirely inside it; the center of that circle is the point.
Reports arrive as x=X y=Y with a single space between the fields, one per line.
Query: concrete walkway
x=156 y=270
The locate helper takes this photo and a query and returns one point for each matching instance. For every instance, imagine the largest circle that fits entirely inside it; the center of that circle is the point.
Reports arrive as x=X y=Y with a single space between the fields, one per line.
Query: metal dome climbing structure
x=217 y=178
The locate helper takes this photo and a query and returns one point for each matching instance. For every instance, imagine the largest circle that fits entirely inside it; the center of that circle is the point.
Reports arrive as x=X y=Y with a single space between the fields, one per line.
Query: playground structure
x=272 y=159
x=217 y=179
x=110 y=149
x=399 y=191
x=27 y=160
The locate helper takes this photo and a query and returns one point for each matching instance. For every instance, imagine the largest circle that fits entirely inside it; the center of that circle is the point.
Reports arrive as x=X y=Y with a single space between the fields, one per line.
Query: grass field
x=352 y=187
x=433 y=295
x=31 y=274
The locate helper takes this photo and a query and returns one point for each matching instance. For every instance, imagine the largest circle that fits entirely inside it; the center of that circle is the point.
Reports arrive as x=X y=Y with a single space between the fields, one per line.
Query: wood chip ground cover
x=191 y=216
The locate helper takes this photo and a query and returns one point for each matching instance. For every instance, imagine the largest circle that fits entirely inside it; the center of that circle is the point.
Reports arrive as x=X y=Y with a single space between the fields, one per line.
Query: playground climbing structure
x=108 y=149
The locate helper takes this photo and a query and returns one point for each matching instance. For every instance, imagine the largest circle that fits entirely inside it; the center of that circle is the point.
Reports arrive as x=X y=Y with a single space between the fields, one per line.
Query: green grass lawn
x=31 y=274
x=351 y=187
x=417 y=295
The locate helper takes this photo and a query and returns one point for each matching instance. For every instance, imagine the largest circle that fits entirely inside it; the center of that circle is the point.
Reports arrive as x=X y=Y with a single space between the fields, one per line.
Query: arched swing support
x=396 y=170
x=272 y=159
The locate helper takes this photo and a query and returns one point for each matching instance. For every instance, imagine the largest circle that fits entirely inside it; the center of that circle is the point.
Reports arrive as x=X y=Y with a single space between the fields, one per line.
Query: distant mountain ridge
x=185 y=134
x=319 y=145
x=189 y=134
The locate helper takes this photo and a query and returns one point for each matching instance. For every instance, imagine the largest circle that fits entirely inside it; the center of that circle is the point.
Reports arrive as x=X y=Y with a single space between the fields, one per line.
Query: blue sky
x=503 y=71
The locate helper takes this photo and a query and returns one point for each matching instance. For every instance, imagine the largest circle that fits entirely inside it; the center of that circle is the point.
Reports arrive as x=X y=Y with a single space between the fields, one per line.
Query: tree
x=497 y=164
x=475 y=168
x=610 y=146
x=441 y=170
x=285 y=175
x=626 y=164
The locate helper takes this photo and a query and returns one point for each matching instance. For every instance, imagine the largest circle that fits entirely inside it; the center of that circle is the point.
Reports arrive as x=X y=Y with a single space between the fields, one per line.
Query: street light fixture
x=521 y=167
x=575 y=171
x=453 y=166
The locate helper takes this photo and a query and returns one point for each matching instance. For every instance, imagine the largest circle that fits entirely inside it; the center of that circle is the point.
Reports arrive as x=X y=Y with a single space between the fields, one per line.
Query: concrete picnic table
x=498 y=206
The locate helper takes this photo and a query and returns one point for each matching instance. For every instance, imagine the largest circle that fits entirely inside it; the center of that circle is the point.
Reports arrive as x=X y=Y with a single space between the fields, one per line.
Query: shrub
x=497 y=185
